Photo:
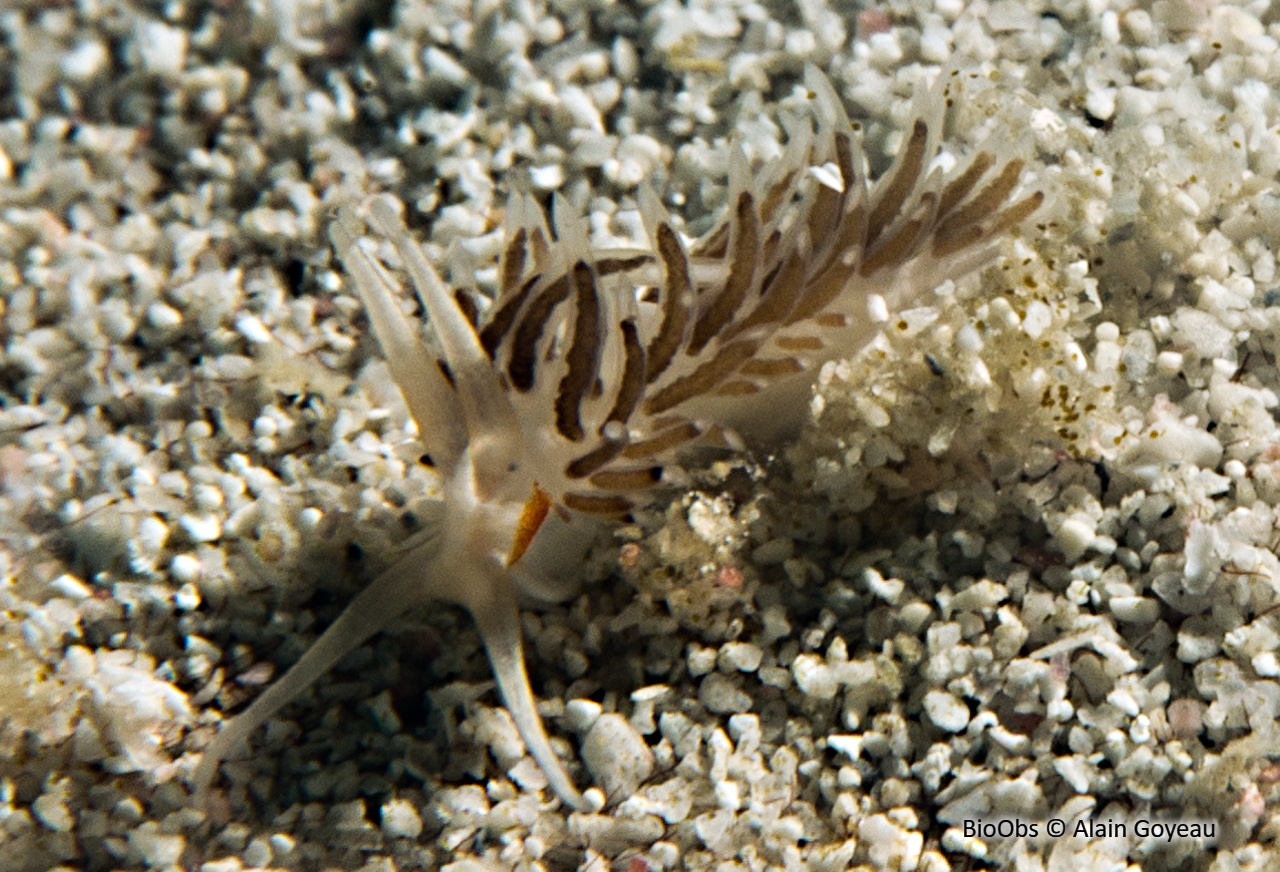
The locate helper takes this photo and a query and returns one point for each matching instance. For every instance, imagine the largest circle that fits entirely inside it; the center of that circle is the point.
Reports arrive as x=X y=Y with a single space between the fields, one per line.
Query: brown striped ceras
x=592 y=369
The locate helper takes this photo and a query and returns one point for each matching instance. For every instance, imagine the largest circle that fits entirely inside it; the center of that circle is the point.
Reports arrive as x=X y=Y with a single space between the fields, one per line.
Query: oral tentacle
x=498 y=617
x=490 y=418
x=431 y=400
x=409 y=582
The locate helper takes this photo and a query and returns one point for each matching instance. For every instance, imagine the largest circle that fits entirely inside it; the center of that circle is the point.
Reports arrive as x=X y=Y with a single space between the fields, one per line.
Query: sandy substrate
x=1020 y=566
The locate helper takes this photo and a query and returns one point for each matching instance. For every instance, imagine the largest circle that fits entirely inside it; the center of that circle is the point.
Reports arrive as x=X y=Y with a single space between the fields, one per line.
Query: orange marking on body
x=531 y=519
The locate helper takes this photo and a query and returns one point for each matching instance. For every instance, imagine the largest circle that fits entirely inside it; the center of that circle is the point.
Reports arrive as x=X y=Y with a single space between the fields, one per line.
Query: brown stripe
x=830 y=204
x=959 y=187
x=592 y=505
x=631 y=384
x=772 y=367
x=742 y=269
x=769 y=250
x=1016 y=214
x=1011 y=217
x=823 y=289
x=583 y=357
x=677 y=297
x=832 y=319
x=664 y=441
x=541 y=248
x=627 y=479
x=513 y=258
x=839 y=263
x=715 y=245
x=895 y=192
x=607 y=266
x=982 y=206
x=774 y=198
x=798 y=343
x=736 y=388
x=958 y=240
x=844 y=160
x=533 y=320
x=853 y=231
x=501 y=318
x=704 y=378
x=825 y=212
x=588 y=463
x=778 y=294
x=467 y=306
x=894 y=250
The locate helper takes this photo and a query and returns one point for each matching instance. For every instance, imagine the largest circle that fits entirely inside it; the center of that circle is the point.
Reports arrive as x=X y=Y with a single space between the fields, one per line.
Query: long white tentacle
x=407 y=583
x=498 y=617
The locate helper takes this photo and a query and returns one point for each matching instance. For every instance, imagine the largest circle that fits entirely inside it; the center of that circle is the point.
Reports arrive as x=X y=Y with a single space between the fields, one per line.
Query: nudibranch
x=592 y=370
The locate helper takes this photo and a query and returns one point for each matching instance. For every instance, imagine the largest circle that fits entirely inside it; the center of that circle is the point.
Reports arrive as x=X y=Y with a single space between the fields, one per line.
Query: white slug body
x=592 y=370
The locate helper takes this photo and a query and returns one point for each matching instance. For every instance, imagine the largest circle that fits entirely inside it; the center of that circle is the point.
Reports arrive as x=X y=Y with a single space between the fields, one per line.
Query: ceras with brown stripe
x=573 y=391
